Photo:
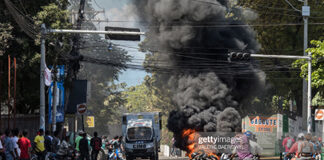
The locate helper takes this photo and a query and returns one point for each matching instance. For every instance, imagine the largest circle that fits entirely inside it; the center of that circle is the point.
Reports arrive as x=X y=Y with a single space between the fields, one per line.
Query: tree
x=276 y=37
x=5 y=37
x=317 y=67
x=146 y=97
x=26 y=49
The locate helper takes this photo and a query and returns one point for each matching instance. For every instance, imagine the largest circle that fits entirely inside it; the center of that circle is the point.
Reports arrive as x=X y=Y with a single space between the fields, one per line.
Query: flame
x=190 y=135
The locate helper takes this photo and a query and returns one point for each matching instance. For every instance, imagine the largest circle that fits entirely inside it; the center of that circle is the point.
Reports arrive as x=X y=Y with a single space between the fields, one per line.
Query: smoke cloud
x=194 y=36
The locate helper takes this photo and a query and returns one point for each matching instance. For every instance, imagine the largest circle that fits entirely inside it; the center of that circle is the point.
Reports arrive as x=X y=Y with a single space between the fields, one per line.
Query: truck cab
x=141 y=132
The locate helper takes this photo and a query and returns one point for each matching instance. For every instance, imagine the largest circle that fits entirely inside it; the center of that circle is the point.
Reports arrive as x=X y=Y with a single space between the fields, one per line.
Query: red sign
x=319 y=114
x=82 y=108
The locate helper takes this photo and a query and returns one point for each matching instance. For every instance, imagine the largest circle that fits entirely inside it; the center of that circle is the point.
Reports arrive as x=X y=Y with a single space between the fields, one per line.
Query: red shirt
x=24 y=144
x=294 y=148
x=284 y=143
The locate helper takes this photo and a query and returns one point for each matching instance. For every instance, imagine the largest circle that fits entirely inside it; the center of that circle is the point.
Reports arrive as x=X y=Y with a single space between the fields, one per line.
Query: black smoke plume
x=195 y=36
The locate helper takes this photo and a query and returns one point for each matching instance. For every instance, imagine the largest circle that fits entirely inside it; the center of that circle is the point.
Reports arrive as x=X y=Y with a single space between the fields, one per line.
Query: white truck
x=141 y=132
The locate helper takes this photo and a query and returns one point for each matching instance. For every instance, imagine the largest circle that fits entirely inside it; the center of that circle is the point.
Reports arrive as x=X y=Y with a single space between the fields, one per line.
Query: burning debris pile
x=202 y=155
x=194 y=37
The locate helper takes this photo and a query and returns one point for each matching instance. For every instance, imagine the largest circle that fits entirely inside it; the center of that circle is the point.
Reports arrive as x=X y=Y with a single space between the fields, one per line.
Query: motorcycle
x=115 y=155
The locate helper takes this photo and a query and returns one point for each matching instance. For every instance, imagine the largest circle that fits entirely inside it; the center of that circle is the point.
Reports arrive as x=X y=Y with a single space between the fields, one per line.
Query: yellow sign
x=90 y=121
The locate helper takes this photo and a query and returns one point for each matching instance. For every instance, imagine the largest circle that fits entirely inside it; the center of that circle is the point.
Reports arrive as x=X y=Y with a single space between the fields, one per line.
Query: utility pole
x=42 y=80
x=309 y=86
x=54 y=104
x=307 y=107
x=9 y=87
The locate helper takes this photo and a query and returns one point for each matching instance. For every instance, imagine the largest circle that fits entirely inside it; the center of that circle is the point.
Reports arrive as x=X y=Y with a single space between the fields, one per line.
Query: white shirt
x=15 y=144
x=1 y=147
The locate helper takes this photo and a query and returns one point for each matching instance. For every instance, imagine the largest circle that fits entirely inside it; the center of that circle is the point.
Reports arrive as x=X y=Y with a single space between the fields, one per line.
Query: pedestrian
x=84 y=147
x=241 y=145
x=1 y=150
x=77 y=141
x=294 y=149
x=255 y=148
x=2 y=154
x=15 y=139
x=63 y=148
x=56 y=142
x=121 y=145
x=40 y=145
x=320 y=145
x=24 y=146
x=306 y=148
x=103 y=142
x=8 y=145
x=287 y=143
x=48 y=141
x=96 y=144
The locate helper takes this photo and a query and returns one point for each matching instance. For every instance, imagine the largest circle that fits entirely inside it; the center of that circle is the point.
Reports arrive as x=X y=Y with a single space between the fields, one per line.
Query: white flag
x=48 y=76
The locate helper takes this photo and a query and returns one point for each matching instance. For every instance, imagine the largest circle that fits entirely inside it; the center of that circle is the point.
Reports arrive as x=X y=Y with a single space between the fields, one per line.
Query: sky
x=121 y=10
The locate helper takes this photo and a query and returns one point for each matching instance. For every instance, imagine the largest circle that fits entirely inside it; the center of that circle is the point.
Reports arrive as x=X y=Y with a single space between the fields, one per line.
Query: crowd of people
x=305 y=146
x=15 y=145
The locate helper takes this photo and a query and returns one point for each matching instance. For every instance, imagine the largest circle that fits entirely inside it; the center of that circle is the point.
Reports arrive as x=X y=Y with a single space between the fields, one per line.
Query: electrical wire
x=292 y=6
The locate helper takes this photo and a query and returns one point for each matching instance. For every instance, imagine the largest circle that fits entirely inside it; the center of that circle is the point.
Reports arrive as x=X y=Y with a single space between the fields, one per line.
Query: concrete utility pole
x=54 y=104
x=309 y=94
x=42 y=80
x=307 y=107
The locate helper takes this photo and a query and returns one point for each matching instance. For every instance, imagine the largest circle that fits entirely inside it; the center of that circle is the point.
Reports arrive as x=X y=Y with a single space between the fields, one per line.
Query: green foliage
x=26 y=50
x=317 y=65
x=5 y=37
x=283 y=40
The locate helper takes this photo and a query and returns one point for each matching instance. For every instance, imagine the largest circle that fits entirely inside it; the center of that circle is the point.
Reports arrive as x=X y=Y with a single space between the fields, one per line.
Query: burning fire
x=191 y=135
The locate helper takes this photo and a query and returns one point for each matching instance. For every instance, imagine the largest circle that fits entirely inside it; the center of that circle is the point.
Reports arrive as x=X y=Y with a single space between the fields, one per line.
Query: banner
x=48 y=76
x=59 y=98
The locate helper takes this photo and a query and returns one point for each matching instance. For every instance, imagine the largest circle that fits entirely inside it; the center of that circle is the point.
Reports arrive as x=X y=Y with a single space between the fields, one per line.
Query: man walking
x=25 y=146
x=14 y=139
x=77 y=141
x=96 y=144
x=84 y=147
x=40 y=145
x=9 y=147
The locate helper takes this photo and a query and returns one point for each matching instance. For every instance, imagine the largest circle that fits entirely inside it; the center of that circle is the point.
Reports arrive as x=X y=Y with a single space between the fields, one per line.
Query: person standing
x=56 y=142
x=84 y=147
x=8 y=145
x=287 y=142
x=306 y=148
x=96 y=144
x=2 y=154
x=14 y=139
x=48 y=141
x=77 y=141
x=1 y=149
x=40 y=145
x=25 y=146
x=63 y=148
